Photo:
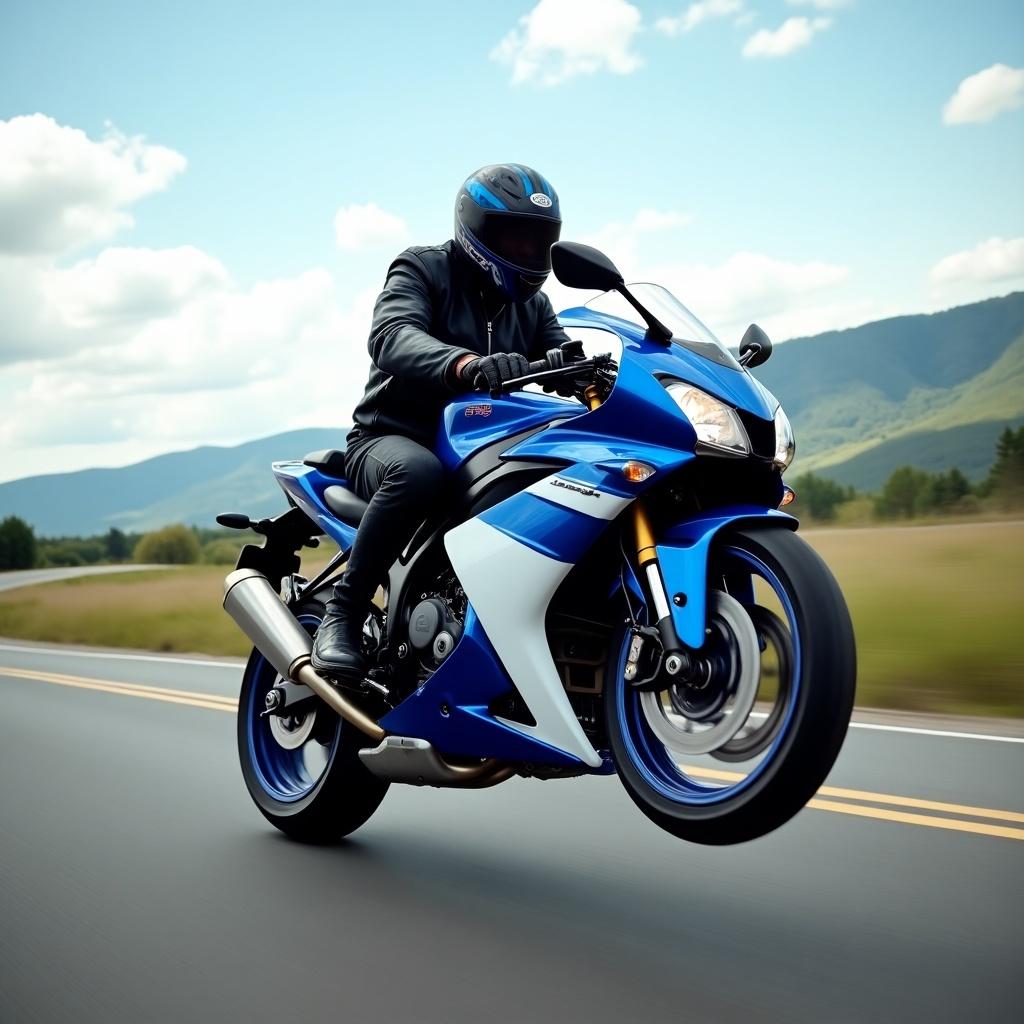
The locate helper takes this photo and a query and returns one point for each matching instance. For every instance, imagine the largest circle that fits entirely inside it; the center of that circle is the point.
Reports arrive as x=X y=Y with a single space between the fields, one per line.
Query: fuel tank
x=472 y=421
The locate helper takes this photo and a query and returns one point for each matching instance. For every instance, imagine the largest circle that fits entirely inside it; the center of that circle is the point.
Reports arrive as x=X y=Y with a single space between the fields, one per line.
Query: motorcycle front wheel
x=303 y=771
x=773 y=603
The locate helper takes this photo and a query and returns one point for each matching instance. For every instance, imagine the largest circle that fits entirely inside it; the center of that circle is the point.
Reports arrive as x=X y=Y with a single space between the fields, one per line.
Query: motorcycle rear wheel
x=303 y=772
x=704 y=803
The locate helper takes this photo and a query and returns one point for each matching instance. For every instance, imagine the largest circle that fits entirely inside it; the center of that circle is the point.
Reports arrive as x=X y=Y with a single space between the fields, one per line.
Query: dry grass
x=159 y=611
x=937 y=612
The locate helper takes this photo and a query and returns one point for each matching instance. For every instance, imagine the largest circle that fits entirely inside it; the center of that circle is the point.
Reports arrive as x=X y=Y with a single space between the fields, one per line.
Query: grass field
x=937 y=611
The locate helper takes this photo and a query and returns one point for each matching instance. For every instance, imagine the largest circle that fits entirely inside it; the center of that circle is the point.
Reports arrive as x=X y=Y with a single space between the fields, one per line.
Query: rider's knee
x=421 y=475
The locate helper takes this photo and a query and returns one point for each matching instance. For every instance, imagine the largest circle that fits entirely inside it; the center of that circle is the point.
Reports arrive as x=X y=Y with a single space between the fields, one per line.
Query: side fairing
x=511 y=560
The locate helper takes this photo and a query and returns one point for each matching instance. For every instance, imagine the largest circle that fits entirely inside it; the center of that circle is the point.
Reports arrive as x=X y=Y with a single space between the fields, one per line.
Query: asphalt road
x=139 y=883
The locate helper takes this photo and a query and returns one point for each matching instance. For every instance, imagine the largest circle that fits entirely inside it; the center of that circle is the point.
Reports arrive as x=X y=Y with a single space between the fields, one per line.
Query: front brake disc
x=684 y=737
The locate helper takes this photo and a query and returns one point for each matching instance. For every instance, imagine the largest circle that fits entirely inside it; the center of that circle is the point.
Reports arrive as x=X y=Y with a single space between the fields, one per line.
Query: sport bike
x=608 y=585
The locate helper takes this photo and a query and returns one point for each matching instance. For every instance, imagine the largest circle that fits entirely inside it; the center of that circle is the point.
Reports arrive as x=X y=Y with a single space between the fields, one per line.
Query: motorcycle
x=610 y=586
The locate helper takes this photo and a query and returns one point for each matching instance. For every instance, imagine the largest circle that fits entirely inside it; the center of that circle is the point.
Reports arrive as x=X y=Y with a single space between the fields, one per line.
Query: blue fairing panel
x=437 y=712
x=305 y=486
x=683 y=558
x=638 y=420
x=550 y=529
x=472 y=421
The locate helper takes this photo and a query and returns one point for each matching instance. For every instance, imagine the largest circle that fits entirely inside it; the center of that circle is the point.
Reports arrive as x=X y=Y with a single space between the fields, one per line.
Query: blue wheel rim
x=647 y=753
x=282 y=773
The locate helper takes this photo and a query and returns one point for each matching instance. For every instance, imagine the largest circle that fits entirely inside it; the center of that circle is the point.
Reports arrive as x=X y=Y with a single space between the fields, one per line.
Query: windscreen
x=686 y=329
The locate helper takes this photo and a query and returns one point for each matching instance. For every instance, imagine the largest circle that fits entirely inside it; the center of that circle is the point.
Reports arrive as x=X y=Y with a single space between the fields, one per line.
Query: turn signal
x=788 y=496
x=637 y=472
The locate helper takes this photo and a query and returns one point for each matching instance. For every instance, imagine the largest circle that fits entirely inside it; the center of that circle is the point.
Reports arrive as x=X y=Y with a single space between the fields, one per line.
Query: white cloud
x=793 y=34
x=562 y=38
x=979 y=98
x=227 y=365
x=998 y=259
x=703 y=10
x=51 y=311
x=138 y=350
x=60 y=189
x=820 y=5
x=622 y=240
x=123 y=285
x=368 y=226
x=788 y=298
x=785 y=297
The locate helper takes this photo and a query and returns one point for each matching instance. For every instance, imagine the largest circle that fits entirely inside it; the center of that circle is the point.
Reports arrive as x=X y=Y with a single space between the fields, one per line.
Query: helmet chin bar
x=516 y=284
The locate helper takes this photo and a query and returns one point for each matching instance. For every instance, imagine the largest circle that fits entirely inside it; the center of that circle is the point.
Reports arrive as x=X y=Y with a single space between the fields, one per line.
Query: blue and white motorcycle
x=607 y=588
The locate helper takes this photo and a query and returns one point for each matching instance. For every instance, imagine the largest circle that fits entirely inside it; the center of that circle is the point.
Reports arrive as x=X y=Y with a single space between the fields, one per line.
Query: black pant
x=402 y=481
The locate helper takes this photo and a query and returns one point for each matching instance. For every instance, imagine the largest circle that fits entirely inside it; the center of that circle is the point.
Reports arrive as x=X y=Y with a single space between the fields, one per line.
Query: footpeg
x=361 y=685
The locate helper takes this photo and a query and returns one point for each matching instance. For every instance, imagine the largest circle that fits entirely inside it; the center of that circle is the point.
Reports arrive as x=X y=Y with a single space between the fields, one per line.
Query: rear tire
x=323 y=809
x=817 y=715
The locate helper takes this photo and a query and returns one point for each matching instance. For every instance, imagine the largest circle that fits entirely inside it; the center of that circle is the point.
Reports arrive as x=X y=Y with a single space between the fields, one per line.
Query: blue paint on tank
x=472 y=421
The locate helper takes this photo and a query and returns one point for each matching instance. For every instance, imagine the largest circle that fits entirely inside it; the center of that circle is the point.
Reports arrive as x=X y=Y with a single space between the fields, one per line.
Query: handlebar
x=542 y=370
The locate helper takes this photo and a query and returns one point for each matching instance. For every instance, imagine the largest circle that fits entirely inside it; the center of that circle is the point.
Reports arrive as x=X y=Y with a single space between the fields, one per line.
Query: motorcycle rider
x=451 y=317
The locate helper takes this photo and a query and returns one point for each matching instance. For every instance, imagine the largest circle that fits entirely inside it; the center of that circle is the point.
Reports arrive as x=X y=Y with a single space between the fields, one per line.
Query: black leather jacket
x=430 y=314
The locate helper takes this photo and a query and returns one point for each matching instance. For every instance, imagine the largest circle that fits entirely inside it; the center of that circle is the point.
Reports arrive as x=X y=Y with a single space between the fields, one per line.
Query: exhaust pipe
x=252 y=602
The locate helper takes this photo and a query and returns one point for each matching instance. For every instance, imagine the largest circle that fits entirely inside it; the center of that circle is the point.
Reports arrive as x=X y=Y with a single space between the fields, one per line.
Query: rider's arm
x=400 y=342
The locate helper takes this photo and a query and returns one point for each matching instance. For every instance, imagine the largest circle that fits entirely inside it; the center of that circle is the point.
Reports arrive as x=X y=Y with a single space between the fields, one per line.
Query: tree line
x=910 y=492
x=171 y=545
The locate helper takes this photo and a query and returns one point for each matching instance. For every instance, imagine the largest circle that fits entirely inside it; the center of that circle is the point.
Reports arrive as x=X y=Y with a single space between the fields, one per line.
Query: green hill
x=969 y=447
x=871 y=398
x=181 y=487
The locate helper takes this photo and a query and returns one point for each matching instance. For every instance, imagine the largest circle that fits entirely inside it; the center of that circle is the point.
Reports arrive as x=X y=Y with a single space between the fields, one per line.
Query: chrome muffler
x=252 y=602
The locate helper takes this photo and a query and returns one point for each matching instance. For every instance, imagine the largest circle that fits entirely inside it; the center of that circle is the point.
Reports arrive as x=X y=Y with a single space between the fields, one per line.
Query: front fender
x=683 y=558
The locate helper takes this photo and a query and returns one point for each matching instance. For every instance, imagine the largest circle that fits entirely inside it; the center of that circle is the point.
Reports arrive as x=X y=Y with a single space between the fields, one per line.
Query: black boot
x=338 y=647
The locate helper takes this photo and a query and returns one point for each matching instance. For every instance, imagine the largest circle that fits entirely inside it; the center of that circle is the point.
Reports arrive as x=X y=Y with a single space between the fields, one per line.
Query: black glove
x=493 y=371
x=564 y=386
x=570 y=352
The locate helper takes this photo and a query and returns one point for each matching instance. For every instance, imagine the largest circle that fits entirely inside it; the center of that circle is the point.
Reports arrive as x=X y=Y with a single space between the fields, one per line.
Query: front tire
x=303 y=773
x=740 y=805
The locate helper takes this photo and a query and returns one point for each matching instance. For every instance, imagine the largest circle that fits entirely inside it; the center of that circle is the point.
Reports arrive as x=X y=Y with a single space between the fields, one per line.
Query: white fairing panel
x=510 y=586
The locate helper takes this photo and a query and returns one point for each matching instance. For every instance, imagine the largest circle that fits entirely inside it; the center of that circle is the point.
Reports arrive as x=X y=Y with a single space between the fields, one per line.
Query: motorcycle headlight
x=717 y=426
x=785 y=443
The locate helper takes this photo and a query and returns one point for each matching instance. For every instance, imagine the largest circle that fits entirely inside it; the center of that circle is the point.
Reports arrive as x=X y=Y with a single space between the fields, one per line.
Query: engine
x=435 y=624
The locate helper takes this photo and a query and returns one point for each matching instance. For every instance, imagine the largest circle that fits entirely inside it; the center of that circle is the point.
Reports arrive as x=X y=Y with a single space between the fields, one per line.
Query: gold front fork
x=647 y=559
x=593 y=396
x=645 y=552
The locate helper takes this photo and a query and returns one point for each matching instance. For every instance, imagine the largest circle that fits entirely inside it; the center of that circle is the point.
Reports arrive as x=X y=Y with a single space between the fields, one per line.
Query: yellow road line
x=924 y=805
x=214 y=702
x=927 y=820
x=874 y=798
x=199 y=700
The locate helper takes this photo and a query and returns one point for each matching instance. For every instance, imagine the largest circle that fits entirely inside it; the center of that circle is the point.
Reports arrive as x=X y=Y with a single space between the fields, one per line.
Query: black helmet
x=506 y=220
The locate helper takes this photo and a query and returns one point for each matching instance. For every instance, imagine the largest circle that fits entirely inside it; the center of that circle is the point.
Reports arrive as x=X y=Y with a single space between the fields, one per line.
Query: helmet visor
x=522 y=242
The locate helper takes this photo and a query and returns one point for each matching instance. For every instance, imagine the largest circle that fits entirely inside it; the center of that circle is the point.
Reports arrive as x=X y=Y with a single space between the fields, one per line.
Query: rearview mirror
x=581 y=266
x=755 y=348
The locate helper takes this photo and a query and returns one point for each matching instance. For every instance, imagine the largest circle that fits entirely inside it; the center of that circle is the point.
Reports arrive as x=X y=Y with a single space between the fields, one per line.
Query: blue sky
x=806 y=180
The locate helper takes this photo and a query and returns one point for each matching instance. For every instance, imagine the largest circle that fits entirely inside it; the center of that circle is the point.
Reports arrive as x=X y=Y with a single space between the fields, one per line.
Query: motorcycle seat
x=330 y=462
x=345 y=504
